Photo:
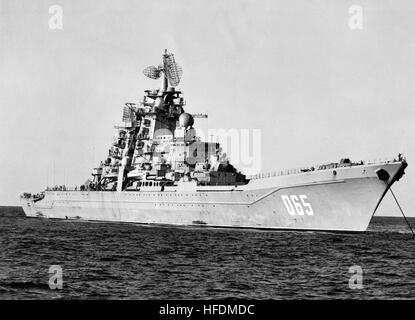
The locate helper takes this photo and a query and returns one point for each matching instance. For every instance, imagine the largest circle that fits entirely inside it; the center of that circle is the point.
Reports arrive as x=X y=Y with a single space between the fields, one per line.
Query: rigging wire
x=407 y=222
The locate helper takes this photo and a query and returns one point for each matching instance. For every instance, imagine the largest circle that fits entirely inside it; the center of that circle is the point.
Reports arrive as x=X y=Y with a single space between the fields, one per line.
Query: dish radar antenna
x=169 y=71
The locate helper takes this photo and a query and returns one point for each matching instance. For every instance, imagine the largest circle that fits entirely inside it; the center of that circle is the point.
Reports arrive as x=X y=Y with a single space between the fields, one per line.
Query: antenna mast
x=169 y=71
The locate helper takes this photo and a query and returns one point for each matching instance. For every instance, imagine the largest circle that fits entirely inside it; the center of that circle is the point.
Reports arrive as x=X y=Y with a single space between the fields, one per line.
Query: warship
x=158 y=171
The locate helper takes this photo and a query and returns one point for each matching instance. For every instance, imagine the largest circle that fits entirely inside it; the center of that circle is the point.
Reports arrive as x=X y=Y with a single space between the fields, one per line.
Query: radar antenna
x=152 y=72
x=170 y=69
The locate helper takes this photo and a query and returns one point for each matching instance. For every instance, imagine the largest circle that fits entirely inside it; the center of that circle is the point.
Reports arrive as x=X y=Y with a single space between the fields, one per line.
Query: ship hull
x=341 y=199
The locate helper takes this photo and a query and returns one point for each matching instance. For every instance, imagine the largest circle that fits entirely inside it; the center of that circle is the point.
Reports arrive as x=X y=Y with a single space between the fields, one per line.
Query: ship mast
x=170 y=73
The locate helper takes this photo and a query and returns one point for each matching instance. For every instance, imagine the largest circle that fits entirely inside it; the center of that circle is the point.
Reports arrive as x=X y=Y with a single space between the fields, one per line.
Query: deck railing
x=321 y=167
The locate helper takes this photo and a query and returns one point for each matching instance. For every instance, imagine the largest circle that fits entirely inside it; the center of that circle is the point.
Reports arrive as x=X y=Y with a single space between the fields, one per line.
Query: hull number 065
x=297 y=205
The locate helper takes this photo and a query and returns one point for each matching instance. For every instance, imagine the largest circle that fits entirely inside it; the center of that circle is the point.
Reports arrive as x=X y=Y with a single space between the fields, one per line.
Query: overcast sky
x=318 y=89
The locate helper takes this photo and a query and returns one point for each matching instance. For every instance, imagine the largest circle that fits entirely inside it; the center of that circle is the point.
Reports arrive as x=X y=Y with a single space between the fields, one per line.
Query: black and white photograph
x=231 y=151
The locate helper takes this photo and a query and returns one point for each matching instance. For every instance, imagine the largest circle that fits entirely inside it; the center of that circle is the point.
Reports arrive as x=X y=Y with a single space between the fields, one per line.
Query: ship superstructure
x=158 y=171
x=158 y=146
